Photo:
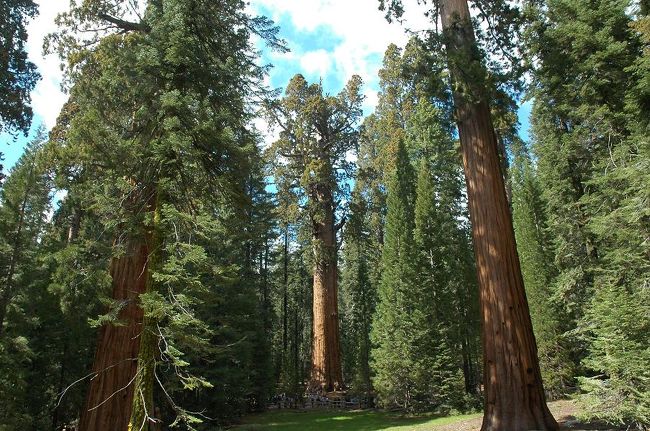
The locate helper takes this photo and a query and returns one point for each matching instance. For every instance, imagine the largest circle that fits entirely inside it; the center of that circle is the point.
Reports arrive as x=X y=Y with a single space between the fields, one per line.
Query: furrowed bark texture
x=142 y=410
x=514 y=394
x=110 y=395
x=326 y=374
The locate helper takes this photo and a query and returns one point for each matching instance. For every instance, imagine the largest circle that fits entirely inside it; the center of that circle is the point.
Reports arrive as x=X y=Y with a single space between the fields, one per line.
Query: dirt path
x=564 y=411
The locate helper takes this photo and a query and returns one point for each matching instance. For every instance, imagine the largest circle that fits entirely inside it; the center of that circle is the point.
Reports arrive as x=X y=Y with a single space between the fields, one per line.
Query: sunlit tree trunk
x=514 y=394
x=326 y=373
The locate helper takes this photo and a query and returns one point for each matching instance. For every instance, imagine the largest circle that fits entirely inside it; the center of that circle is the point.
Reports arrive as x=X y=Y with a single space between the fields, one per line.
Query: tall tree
x=18 y=75
x=443 y=248
x=359 y=296
x=163 y=140
x=590 y=135
x=25 y=201
x=438 y=351
x=534 y=248
x=24 y=205
x=316 y=134
x=393 y=330
x=514 y=394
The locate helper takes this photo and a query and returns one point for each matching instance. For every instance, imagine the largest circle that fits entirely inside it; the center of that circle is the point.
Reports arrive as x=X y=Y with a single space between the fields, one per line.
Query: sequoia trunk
x=514 y=394
x=326 y=374
x=110 y=395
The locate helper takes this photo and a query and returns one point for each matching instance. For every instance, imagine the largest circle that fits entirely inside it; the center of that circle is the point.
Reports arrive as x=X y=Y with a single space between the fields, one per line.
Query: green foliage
x=156 y=144
x=18 y=75
x=358 y=298
x=443 y=265
x=165 y=153
x=394 y=322
x=534 y=247
x=316 y=133
x=427 y=358
x=590 y=134
x=25 y=203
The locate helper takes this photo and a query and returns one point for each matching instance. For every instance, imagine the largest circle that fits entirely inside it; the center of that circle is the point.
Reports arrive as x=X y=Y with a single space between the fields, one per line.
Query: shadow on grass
x=367 y=420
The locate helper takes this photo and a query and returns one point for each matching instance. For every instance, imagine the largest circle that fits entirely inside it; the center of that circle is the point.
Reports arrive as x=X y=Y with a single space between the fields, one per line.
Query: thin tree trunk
x=285 y=329
x=326 y=373
x=61 y=385
x=514 y=394
x=505 y=170
x=297 y=368
x=110 y=394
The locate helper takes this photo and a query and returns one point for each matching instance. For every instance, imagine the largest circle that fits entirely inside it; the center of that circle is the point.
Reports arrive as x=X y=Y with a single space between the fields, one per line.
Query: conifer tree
x=316 y=134
x=359 y=296
x=437 y=352
x=25 y=201
x=534 y=248
x=591 y=145
x=24 y=205
x=394 y=326
x=509 y=351
x=18 y=75
x=164 y=141
x=443 y=249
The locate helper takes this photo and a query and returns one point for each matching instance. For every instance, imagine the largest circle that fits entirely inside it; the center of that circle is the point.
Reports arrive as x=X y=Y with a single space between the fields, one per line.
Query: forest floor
x=376 y=420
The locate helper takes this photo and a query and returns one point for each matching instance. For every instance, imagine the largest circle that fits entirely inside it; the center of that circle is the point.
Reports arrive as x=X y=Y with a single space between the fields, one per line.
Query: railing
x=312 y=401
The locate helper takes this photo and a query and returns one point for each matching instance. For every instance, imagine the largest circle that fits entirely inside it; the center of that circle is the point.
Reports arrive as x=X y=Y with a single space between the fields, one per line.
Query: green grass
x=325 y=420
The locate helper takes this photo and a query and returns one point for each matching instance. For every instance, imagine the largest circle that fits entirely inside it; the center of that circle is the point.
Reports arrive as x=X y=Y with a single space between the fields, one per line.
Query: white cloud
x=372 y=97
x=360 y=36
x=316 y=62
x=47 y=97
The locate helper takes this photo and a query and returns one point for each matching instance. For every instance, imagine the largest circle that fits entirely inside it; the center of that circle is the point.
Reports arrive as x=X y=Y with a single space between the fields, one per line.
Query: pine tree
x=591 y=146
x=359 y=297
x=437 y=354
x=534 y=248
x=24 y=205
x=395 y=323
x=443 y=249
x=412 y=83
x=25 y=201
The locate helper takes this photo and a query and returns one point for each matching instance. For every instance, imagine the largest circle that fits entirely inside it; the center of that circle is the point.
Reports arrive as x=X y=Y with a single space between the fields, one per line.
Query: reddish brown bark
x=514 y=394
x=326 y=373
x=110 y=395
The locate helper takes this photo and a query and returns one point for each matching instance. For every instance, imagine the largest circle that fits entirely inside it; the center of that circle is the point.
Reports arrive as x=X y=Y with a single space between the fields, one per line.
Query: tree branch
x=125 y=25
x=340 y=224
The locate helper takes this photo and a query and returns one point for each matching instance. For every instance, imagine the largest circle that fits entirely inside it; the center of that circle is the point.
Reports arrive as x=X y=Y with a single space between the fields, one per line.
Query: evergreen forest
x=189 y=247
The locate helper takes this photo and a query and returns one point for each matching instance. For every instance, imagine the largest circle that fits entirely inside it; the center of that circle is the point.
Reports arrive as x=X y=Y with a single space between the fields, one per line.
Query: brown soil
x=564 y=412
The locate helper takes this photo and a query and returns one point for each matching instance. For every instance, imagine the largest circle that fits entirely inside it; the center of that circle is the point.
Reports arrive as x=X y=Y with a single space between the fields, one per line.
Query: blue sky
x=330 y=40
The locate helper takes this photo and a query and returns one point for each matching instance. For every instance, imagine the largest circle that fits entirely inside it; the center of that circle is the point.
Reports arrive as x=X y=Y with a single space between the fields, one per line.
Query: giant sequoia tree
x=514 y=394
x=170 y=156
x=316 y=134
